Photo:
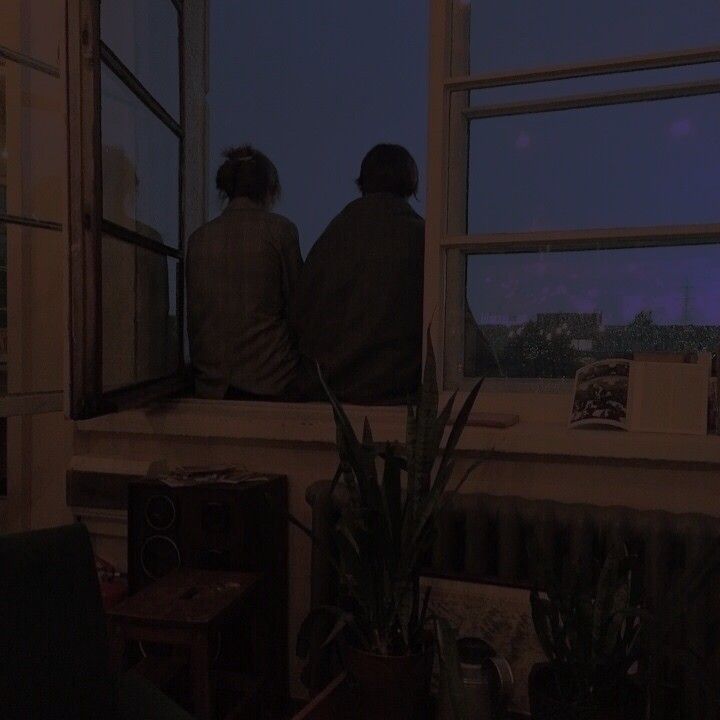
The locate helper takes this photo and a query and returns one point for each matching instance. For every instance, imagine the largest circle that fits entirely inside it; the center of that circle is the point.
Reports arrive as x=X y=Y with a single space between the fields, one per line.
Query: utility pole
x=687 y=289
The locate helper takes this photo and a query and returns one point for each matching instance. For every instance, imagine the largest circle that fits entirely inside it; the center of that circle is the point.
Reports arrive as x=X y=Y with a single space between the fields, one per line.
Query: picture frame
x=498 y=614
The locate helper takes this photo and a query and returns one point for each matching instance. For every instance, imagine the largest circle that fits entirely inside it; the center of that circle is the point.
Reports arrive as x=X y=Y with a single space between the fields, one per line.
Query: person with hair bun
x=241 y=272
x=358 y=308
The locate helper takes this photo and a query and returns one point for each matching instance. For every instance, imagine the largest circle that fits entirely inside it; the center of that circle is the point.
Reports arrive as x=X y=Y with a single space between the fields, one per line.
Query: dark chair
x=53 y=637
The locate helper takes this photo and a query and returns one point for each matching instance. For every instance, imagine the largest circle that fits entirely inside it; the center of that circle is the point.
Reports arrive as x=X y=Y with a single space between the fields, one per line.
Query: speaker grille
x=160 y=512
x=159 y=555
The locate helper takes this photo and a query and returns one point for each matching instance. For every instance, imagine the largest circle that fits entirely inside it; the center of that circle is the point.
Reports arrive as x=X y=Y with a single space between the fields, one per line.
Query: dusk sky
x=315 y=84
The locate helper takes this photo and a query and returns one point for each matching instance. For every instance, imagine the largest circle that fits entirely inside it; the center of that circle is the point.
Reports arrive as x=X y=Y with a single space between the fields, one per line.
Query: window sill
x=312 y=424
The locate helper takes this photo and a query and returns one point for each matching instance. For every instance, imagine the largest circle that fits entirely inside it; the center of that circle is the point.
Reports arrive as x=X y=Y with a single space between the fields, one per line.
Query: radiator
x=484 y=538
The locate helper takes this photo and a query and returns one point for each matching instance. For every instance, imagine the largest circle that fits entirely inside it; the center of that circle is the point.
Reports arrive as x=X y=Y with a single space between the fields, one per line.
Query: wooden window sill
x=311 y=424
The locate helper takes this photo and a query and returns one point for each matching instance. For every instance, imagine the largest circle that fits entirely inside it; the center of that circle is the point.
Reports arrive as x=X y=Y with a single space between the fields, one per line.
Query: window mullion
x=139 y=90
x=584 y=239
x=599 y=99
x=573 y=71
x=134 y=238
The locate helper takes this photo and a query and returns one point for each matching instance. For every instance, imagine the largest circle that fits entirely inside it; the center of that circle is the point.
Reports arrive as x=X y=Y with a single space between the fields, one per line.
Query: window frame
x=86 y=55
x=448 y=148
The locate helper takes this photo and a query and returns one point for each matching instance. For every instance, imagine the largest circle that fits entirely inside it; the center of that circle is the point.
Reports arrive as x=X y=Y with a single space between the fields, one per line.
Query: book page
x=669 y=397
x=601 y=395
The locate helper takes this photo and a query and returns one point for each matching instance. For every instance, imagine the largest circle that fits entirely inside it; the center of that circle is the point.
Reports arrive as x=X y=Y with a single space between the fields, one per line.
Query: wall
x=35 y=172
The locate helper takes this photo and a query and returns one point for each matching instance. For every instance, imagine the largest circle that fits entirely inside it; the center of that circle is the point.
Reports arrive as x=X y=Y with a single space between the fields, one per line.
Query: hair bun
x=246 y=172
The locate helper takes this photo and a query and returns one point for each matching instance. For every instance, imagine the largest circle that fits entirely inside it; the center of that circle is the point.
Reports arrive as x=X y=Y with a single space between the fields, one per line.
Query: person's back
x=242 y=268
x=358 y=309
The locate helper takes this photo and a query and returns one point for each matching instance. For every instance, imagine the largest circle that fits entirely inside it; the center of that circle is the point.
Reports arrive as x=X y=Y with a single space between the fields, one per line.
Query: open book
x=668 y=397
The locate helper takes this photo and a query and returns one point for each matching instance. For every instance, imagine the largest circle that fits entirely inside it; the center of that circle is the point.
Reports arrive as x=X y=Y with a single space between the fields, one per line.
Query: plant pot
x=546 y=703
x=391 y=687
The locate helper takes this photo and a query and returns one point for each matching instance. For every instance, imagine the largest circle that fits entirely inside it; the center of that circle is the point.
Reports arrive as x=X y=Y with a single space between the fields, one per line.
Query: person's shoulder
x=204 y=232
x=413 y=216
x=280 y=223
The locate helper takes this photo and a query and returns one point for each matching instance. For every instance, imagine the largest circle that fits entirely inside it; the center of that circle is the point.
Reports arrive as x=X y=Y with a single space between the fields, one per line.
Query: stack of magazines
x=209 y=475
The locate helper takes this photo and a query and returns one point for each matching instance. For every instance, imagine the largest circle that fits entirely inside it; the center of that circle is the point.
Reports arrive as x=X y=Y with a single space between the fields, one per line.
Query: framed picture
x=499 y=615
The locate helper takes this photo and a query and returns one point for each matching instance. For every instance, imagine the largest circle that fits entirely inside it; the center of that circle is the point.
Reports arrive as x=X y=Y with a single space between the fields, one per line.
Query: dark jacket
x=358 y=306
x=242 y=269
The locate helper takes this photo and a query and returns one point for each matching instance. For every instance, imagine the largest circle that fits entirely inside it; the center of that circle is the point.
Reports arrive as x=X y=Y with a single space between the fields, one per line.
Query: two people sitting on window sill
x=259 y=319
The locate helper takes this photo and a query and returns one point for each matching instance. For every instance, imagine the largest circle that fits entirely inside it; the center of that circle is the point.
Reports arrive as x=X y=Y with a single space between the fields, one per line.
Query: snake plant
x=392 y=495
x=591 y=636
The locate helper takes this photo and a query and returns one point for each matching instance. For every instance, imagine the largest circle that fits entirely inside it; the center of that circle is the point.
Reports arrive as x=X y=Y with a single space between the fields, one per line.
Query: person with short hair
x=358 y=306
x=241 y=271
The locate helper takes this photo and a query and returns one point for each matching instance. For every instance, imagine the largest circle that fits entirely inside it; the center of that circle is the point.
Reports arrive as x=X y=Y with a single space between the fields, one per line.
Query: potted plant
x=591 y=640
x=385 y=531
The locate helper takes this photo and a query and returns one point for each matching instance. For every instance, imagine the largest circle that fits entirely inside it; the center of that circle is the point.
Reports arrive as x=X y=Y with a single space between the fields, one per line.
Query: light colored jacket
x=241 y=271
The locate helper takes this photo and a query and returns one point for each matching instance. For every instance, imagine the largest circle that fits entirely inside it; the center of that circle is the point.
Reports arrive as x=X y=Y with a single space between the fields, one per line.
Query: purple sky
x=678 y=284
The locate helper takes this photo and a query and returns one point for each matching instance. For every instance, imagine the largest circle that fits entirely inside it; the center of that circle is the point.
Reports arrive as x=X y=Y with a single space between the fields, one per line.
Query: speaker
x=220 y=526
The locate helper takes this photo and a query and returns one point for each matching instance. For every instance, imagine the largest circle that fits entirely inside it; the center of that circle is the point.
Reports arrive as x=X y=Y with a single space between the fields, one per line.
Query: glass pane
x=527 y=33
x=643 y=164
x=144 y=35
x=32 y=321
x=140 y=328
x=315 y=84
x=34 y=28
x=32 y=143
x=539 y=314
x=140 y=165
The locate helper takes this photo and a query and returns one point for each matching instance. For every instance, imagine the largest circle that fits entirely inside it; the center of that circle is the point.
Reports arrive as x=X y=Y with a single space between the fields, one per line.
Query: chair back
x=53 y=637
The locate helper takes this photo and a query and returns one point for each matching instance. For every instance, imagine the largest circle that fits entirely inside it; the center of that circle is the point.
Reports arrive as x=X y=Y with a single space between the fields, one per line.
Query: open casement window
x=137 y=85
x=573 y=209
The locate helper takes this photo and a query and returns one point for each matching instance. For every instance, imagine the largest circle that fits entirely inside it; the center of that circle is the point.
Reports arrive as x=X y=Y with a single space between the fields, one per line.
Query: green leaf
x=348 y=444
x=424 y=451
x=392 y=494
x=460 y=422
x=367 y=433
x=611 y=597
x=545 y=629
x=316 y=620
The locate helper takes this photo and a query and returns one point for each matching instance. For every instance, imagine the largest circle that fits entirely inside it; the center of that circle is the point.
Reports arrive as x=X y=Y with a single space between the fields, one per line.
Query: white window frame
x=450 y=114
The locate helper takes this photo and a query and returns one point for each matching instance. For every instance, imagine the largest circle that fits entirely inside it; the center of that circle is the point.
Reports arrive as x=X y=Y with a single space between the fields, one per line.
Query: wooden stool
x=185 y=608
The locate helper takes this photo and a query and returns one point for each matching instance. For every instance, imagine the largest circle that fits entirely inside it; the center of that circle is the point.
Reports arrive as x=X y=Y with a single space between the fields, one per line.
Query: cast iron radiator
x=484 y=538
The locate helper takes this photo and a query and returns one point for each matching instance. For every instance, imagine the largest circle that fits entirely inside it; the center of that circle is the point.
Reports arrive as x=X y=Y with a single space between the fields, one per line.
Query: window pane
x=32 y=321
x=32 y=142
x=642 y=164
x=33 y=28
x=144 y=35
x=140 y=165
x=539 y=314
x=140 y=328
x=526 y=33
